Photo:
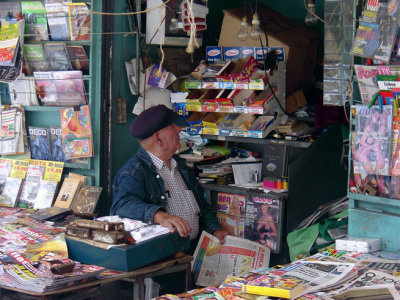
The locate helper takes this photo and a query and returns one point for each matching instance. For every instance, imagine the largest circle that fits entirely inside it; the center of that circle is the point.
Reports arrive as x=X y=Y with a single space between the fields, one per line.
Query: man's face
x=169 y=139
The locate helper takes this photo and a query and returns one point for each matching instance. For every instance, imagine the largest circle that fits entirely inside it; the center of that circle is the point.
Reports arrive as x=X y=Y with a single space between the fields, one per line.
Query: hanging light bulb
x=255 y=30
x=310 y=18
x=243 y=33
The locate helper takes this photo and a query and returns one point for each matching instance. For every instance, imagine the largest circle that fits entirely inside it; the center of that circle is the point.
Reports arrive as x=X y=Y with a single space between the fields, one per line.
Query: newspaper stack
x=328 y=275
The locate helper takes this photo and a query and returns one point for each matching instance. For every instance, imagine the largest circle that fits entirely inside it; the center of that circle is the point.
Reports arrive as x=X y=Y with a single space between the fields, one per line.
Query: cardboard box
x=127 y=257
x=300 y=43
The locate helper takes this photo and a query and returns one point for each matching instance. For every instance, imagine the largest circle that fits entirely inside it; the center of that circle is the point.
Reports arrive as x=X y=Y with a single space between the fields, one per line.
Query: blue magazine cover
x=39 y=143
x=56 y=144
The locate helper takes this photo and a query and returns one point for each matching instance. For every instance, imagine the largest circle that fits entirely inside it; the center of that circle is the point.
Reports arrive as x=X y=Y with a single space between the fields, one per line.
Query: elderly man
x=155 y=185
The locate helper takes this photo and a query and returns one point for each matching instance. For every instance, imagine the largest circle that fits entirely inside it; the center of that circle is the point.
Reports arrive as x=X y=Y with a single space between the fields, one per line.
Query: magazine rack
x=371 y=215
x=45 y=116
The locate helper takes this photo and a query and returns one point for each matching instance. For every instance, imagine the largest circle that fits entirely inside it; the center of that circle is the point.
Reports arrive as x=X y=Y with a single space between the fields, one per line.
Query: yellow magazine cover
x=274 y=286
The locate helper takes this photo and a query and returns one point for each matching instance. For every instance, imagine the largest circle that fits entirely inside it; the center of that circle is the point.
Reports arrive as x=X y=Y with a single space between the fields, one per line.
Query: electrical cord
x=271 y=59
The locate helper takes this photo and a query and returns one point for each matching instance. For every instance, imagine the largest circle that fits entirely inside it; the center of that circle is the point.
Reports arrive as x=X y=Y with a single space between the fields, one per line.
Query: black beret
x=151 y=120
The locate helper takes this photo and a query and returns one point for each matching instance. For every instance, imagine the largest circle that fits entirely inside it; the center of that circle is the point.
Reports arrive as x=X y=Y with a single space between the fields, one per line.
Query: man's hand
x=221 y=234
x=172 y=222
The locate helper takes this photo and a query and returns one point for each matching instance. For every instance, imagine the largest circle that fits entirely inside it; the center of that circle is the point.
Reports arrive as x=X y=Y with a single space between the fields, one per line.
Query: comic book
x=377 y=31
x=372 y=141
x=30 y=186
x=76 y=132
x=35 y=58
x=79 y=21
x=39 y=143
x=56 y=145
x=34 y=14
x=57 y=56
x=231 y=213
x=261 y=222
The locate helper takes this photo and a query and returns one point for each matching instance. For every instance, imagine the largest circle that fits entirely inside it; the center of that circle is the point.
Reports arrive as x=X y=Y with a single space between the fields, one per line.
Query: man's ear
x=156 y=137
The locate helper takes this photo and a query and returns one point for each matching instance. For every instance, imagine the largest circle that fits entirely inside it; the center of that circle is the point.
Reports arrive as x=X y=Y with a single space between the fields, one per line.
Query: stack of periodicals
x=34 y=255
x=328 y=275
x=12 y=120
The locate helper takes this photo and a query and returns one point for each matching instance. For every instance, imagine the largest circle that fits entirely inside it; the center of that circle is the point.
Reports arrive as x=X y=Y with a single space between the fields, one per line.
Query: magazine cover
x=34 y=14
x=372 y=143
x=395 y=163
x=46 y=88
x=57 y=56
x=45 y=195
x=39 y=143
x=11 y=192
x=56 y=145
x=35 y=58
x=8 y=51
x=57 y=19
x=367 y=82
x=70 y=87
x=79 y=21
x=231 y=212
x=10 y=10
x=261 y=223
x=76 y=132
x=30 y=186
x=377 y=31
x=79 y=58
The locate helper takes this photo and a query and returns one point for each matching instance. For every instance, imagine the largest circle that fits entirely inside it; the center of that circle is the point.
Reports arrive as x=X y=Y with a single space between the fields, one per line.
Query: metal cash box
x=128 y=257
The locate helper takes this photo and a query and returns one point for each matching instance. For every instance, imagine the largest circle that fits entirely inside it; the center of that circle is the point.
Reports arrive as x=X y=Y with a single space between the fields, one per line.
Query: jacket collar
x=145 y=158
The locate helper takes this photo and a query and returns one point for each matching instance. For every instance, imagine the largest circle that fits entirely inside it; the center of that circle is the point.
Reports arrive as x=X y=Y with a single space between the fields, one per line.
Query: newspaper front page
x=213 y=262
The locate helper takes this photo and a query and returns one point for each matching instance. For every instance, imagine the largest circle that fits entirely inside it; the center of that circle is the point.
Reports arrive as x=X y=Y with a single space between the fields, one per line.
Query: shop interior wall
x=123 y=145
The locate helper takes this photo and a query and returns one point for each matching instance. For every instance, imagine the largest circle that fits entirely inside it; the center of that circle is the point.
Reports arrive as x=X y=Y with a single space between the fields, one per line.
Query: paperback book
x=35 y=58
x=377 y=31
x=372 y=143
x=67 y=194
x=34 y=14
x=39 y=143
x=262 y=219
x=86 y=200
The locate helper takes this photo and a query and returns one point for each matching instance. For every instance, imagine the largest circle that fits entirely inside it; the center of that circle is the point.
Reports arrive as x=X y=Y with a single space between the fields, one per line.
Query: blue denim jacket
x=138 y=191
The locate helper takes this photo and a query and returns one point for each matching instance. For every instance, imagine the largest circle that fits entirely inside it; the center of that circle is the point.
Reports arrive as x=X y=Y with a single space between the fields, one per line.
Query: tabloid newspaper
x=213 y=262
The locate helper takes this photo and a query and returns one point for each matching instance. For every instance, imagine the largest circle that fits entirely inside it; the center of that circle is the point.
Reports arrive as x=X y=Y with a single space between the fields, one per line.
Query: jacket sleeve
x=130 y=197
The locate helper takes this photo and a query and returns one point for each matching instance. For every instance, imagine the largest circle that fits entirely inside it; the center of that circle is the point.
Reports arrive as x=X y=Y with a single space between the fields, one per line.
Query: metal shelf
x=299 y=144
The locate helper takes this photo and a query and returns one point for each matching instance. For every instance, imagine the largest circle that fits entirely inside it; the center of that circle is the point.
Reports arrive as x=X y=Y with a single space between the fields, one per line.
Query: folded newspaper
x=213 y=262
